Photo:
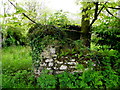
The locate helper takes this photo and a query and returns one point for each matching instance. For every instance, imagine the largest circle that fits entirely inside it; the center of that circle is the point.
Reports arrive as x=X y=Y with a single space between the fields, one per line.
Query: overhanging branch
x=23 y=13
x=29 y=18
x=114 y=8
x=111 y=14
x=12 y=3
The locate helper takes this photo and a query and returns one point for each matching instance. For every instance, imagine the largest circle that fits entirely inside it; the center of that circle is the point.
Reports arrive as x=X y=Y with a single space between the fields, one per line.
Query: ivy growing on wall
x=42 y=35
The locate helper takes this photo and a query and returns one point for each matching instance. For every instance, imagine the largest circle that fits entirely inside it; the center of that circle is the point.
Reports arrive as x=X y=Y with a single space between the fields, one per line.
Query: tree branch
x=23 y=13
x=29 y=18
x=111 y=14
x=114 y=8
x=96 y=10
x=96 y=14
x=101 y=9
x=12 y=3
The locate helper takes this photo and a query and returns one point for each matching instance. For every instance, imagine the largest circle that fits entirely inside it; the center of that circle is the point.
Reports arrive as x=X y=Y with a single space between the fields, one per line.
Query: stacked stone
x=53 y=64
x=65 y=65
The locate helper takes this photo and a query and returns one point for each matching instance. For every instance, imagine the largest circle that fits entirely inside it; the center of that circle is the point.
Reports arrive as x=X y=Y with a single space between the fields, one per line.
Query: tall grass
x=17 y=67
x=16 y=58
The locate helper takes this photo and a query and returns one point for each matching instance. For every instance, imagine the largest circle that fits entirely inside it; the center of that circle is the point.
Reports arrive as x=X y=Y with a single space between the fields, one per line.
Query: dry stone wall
x=51 y=62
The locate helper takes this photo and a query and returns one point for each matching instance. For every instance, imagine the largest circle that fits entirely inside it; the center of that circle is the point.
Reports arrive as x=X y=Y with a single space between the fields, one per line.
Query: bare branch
x=23 y=13
x=101 y=9
x=29 y=18
x=12 y=3
x=114 y=8
x=111 y=14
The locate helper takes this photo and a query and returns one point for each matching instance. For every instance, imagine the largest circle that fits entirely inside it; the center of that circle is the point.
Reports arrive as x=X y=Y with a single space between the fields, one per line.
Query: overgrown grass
x=16 y=58
x=17 y=67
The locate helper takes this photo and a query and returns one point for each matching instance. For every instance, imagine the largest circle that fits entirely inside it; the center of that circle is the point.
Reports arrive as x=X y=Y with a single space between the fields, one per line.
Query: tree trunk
x=85 y=29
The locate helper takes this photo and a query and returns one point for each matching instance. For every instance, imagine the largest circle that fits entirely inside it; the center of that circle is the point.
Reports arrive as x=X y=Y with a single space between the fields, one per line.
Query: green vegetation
x=16 y=58
x=16 y=67
x=17 y=72
x=108 y=33
x=99 y=46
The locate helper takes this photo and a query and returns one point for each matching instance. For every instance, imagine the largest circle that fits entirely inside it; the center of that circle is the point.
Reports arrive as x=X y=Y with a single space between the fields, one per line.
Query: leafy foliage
x=14 y=28
x=14 y=36
x=18 y=76
x=108 y=33
x=20 y=79
x=59 y=19
x=108 y=40
x=42 y=35
x=98 y=69
x=46 y=81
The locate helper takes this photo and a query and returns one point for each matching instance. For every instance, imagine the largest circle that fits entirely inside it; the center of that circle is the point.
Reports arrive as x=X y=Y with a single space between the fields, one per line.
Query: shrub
x=14 y=36
x=108 y=33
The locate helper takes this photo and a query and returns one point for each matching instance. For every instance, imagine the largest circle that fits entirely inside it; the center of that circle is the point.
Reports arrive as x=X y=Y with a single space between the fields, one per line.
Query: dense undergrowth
x=17 y=72
x=16 y=66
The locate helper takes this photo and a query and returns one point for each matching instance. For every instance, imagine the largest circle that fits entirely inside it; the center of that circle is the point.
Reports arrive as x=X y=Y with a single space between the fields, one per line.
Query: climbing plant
x=42 y=35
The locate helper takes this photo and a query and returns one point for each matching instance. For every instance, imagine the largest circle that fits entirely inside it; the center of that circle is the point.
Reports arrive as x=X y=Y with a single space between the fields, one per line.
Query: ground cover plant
x=17 y=73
